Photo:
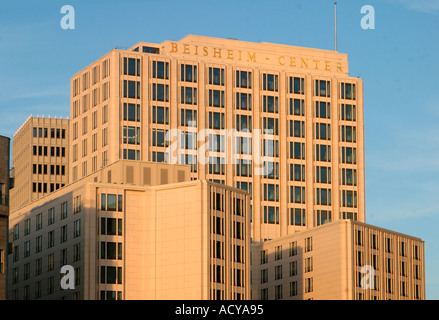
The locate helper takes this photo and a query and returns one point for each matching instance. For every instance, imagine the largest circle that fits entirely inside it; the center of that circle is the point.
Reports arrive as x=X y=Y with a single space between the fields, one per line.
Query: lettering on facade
x=250 y=56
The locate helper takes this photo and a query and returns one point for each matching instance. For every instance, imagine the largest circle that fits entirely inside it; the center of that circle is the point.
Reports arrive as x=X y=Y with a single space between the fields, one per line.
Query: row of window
x=54 y=151
x=54 y=169
x=38 y=286
x=388 y=245
x=38 y=266
x=55 y=133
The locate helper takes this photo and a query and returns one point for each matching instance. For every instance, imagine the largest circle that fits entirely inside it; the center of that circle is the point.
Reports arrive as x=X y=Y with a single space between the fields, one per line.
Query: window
x=160 y=92
x=348 y=112
x=188 y=117
x=347 y=91
x=270 y=104
x=76 y=252
x=131 y=112
x=297 y=129
x=278 y=292
x=293 y=268
x=323 y=110
x=323 y=196
x=297 y=194
x=160 y=70
x=323 y=174
x=349 y=198
x=188 y=73
x=216 y=76
x=270 y=82
x=131 y=135
x=39 y=221
x=297 y=150
x=264 y=294
x=76 y=204
x=308 y=285
x=216 y=98
x=51 y=216
x=216 y=120
x=322 y=88
x=188 y=95
x=293 y=248
x=243 y=79
x=264 y=256
x=64 y=210
x=77 y=228
x=308 y=264
x=348 y=133
x=278 y=253
x=308 y=244
x=323 y=217
x=264 y=276
x=271 y=192
x=160 y=115
x=293 y=288
x=63 y=237
x=297 y=107
x=271 y=215
x=131 y=89
x=359 y=238
x=296 y=85
x=348 y=177
x=243 y=101
x=26 y=226
x=131 y=66
x=348 y=155
x=323 y=131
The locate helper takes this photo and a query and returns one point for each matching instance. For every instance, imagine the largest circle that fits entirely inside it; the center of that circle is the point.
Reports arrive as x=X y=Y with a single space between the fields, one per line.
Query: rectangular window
x=322 y=88
x=188 y=73
x=216 y=76
x=160 y=70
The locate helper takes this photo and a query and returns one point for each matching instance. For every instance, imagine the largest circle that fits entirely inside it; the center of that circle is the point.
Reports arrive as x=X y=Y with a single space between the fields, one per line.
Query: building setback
x=330 y=262
x=133 y=230
x=4 y=211
x=40 y=158
x=281 y=122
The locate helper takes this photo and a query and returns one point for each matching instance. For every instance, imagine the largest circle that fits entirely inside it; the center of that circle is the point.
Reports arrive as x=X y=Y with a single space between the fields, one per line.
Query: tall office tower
x=133 y=230
x=40 y=158
x=281 y=122
x=4 y=211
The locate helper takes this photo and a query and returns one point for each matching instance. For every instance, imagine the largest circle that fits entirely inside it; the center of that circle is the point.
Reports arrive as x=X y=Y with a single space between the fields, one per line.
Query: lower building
x=133 y=230
x=40 y=158
x=341 y=260
x=4 y=211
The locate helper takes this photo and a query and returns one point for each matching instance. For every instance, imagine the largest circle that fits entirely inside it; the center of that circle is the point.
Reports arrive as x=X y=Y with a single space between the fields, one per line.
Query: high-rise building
x=342 y=260
x=4 y=211
x=281 y=122
x=40 y=158
x=133 y=230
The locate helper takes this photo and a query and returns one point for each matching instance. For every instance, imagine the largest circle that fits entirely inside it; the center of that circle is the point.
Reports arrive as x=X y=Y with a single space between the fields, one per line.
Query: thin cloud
x=428 y=6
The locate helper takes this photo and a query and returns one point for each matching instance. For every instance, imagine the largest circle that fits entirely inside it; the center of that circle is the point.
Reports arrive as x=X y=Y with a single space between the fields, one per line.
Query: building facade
x=133 y=230
x=40 y=158
x=281 y=122
x=343 y=260
x=4 y=211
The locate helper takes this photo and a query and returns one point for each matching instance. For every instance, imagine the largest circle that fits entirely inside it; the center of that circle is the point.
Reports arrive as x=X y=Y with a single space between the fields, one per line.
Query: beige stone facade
x=4 y=211
x=40 y=158
x=133 y=230
x=284 y=123
x=330 y=261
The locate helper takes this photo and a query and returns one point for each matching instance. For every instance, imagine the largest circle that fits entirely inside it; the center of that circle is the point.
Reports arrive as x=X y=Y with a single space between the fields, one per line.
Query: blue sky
x=398 y=62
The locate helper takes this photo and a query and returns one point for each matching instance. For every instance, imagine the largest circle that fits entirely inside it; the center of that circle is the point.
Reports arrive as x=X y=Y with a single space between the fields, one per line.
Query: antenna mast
x=335 y=25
